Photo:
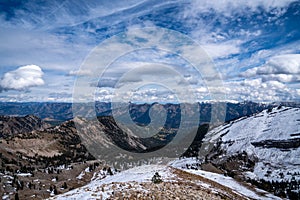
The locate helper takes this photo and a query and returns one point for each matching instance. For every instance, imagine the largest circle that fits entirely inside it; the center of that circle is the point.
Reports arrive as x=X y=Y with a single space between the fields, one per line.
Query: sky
x=73 y=50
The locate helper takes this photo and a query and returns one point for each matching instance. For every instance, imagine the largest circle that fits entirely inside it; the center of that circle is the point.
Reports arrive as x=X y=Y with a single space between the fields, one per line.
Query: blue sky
x=254 y=45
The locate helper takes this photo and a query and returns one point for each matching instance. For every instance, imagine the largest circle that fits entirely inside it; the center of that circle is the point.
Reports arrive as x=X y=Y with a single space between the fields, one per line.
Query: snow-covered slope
x=104 y=188
x=271 y=139
x=253 y=193
x=136 y=183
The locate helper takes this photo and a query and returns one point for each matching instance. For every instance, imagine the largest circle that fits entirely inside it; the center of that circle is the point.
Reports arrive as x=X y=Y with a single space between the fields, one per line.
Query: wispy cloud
x=254 y=44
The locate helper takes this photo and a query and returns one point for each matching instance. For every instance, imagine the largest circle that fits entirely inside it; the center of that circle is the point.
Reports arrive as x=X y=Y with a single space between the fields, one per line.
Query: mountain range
x=258 y=145
x=59 y=112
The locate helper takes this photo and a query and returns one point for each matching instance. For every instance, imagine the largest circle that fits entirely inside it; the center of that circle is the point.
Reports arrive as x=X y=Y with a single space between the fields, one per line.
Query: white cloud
x=258 y=90
x=261 y=58
x=22 y=78
x=283 y=64
x=80 y=73
x=251 y=82
x=228 y=7
x=276 y=80
x=222 y=50
x=283 y=68
x=284 y=78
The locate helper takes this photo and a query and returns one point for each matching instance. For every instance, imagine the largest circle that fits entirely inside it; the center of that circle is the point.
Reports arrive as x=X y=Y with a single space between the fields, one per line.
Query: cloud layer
x=255 y=46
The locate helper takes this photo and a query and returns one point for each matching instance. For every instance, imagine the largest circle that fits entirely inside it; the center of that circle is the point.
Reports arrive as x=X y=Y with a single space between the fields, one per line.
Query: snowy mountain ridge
x=271 y=137
x=135 y=183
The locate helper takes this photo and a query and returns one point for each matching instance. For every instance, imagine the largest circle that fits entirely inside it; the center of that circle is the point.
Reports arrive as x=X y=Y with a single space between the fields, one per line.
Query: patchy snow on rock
x=221 y=179
x=232 y=184
x=87 y=169
x=138 y=180
x=4 y=197
x=100 y=188
x=182 y=162
x=140 y=174
x=24 y=174
x=80 y=176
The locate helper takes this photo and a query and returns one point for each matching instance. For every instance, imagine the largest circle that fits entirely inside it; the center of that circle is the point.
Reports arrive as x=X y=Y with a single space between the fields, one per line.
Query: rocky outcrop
x=281 y=144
